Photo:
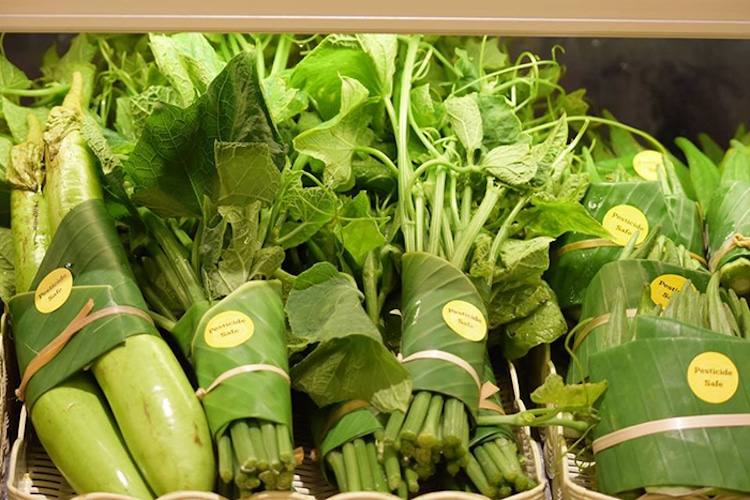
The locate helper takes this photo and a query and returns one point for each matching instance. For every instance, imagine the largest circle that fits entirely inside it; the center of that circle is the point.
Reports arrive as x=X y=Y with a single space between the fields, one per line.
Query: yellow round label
x=664 y=286
x=465 y=319
x=647 y=163
x=713 y=377
x=229 y=329
x=622 y=221
x=54 y=290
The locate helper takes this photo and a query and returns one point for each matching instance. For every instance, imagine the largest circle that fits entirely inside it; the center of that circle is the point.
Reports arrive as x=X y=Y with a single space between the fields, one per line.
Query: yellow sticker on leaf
x=465 y=319
x=646 y=164
x=229 y=329
x=54 y=290
x=713 y=377
x=664 y=286
x=622 y=221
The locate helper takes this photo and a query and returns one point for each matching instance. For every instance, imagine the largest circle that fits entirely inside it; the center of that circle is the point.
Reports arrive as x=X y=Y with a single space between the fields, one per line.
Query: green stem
x=285 y=277
x=365 y=471
x=416 y=415
x=392 y=467
x=244 y=449
x=54 y=90
x=352 y=467
x=281 y=56
x=527 y=418
x=380 y=156
x=336 y=462
x=504 y=232
x=370 y=276
x=270 y=442
x=286 y=451
x=378 y=474
x=438 y=202
x=427 y=437
x=469 y=234
x=474 y=471
x=226 y=460
x=406 y=203
x=256 y=438
x=490 y=469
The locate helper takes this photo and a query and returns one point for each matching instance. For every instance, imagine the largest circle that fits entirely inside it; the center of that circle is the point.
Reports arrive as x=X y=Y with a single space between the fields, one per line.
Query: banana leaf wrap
x=572 y=269
x=258 y=309
x=87 y=244
x=653 y=379
x=630 y=276
x=428 y=284
x=336 y=425
x=728 y=214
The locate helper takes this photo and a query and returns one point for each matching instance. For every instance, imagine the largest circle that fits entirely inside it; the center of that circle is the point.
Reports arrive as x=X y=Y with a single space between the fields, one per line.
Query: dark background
x=666 y=87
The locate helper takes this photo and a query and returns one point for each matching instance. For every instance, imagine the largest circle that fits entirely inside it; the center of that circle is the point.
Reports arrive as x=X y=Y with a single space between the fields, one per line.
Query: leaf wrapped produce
x=166 y=433
x=75 y=406
x=632 y=279
x=728 y=227
x=698 y=380
x=623 y=209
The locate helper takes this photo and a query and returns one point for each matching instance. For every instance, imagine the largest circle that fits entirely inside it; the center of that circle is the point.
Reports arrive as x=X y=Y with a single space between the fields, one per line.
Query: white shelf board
x=598 y=18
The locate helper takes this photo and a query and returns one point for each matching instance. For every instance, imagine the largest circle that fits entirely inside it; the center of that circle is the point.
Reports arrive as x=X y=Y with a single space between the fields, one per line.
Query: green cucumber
x=79 y=435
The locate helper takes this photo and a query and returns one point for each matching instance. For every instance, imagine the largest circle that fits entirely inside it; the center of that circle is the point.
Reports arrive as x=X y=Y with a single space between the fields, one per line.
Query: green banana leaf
x=729 y=213
x=354 y=424
x=428 y=283
x=87 y=244
x=649 y=327
x=648 y=380
x=630 y=276
x=217 y=347
x=570 y=272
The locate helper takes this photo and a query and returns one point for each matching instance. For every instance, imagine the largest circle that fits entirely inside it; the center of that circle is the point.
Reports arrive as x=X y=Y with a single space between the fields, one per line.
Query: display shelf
x=637 y=18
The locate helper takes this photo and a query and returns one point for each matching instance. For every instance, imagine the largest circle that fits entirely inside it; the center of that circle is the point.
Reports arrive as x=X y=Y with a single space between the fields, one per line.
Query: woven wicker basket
x=32 y=476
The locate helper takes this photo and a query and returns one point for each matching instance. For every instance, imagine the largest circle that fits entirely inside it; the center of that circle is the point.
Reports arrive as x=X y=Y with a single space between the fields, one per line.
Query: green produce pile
x=213 y=234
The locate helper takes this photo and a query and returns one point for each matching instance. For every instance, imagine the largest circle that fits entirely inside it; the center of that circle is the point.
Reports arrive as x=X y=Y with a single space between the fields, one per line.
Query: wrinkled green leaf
x=133 y=111
x=555 y=392
x=512 y=165
x=516 y=303
x=284 y=101
x=500 y=125
x=382 y=49
x=306 y=209
x=543 y=326
x=426 y=111
x=522 y=260
x=349 y=360
x=246 y=173
x=553 y=218
x=335 y=141
x=466 y=120
x=10 y=76
x=548 y=151
x=359 y=231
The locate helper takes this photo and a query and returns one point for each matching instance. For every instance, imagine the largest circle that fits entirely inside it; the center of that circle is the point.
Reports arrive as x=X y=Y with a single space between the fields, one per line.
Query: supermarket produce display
x=210 y=235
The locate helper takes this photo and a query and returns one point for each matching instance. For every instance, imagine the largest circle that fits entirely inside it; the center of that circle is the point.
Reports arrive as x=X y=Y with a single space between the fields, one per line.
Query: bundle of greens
x=723 y=186
x=689 y=359
x=89 y=312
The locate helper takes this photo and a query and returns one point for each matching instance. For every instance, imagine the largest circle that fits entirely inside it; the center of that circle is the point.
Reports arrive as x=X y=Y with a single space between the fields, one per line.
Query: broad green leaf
x=284 y=102
x=10 y=76
x=522 y=261
x=500 y=125
x=16 y=118
x=382 y=49
x=553 y=146
x=320 y=72
x=373 y=176
x=307 y=210
x=133 y=111
x=246 y=173
x=110 y=163
x=735 y=165
x=622 y=142
x=574 y=187
x=710 y=148
x=173 y=164
x=348 y=360
x=703 y=172
x=78 y=58
x=574 y=103
x=555 y=392
x=335 y=141
x=466 y=119
x=7 y=275
x=543 y=326
x=516 y=303
x=188 y=61
x=359 y=232
x=512 y=165
x=553 y=218
x=492 y=57
x=426 y=111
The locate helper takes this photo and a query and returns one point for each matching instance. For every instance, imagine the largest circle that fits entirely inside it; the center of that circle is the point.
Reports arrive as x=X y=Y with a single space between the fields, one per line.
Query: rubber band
x=597 y=322
x=444 y=356
x=238 y=370
x=670 y=424
x=84 y=318
x=341 y=412
x=736 y=240
x=485 y=393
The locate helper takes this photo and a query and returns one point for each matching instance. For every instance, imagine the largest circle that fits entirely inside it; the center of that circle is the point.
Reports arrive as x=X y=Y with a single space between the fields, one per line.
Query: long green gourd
x=72 y=420
x=159 y=415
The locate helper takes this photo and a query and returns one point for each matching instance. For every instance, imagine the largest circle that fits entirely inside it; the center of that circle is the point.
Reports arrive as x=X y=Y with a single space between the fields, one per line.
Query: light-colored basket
x=32 y=476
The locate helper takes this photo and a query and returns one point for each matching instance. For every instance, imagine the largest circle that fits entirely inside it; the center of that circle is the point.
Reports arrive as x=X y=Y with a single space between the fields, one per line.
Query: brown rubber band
x=237 y=370
x=601 y=242
x=735 y=241
x=596 y=322
x=670 y=424
x=485 y=403
x=81 y=320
